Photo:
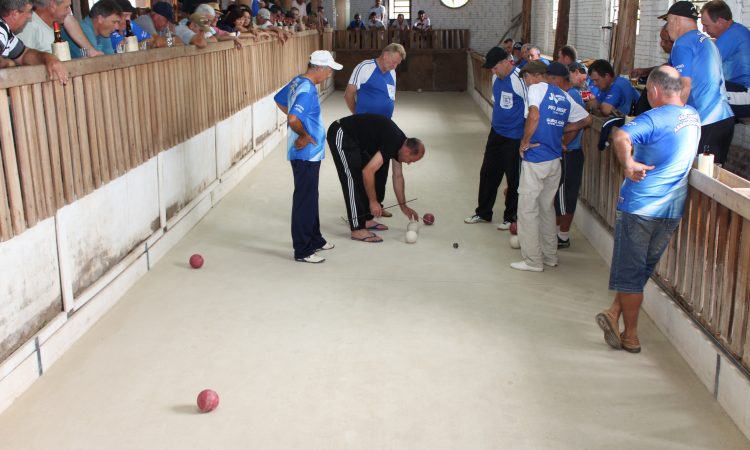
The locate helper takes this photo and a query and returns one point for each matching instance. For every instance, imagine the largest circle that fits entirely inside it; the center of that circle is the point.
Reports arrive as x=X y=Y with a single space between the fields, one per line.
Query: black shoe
x=563 y=243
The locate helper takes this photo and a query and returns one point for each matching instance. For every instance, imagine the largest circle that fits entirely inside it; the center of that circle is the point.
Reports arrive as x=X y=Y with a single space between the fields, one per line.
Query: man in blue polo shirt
x=501 y=152
x=566 y=199
x=372 y=89
x=305 y=150
x=551 y=113
x=698 y=61
x=98 y=26
x=733 y=42
x=652 y=198
x=616 y=94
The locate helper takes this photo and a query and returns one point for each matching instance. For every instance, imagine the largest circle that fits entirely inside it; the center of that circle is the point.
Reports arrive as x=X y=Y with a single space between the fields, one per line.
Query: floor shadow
x=185 y=409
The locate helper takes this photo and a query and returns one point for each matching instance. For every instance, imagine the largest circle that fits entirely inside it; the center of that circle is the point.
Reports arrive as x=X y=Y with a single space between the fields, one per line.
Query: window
x=554 y=14
x=396 y=7
x=614 y=12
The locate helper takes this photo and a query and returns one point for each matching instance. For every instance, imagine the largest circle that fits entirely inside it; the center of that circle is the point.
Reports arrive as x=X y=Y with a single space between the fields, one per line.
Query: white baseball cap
x=324 y=58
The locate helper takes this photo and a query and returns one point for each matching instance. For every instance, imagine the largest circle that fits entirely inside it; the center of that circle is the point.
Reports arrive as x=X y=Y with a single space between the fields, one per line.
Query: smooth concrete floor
x=384 y=346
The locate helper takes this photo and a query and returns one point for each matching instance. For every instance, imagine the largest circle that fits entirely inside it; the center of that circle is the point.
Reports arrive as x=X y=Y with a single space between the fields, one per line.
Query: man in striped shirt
x=14 y=15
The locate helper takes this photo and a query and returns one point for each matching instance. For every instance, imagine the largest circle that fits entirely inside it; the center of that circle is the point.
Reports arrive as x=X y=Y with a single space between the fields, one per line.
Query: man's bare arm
x=350 y=97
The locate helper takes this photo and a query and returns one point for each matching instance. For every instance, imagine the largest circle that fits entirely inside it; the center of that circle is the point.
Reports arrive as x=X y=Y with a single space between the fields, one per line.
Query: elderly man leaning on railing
x=14 y=14
x=39 y=33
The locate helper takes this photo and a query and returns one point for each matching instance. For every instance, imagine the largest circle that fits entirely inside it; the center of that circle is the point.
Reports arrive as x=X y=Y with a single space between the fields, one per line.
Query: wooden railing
x=59 y=143
x=415 y=40
x=706 y=267
x=482 y=77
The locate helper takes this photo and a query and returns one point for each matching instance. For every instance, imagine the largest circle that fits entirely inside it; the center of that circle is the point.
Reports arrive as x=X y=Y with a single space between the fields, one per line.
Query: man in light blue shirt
x=656 y=151
x=305 y=150
x=372 y=89
x=698 y=61
x=733 y=42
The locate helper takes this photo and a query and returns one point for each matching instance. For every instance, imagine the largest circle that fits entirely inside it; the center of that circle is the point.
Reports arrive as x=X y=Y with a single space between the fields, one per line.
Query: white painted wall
x=63 y=274
x=29 y=284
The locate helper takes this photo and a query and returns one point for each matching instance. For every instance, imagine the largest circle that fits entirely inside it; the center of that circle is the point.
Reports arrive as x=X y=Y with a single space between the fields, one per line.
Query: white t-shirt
x=380 y=13
x=422 y=24
x=37 y=34
x=302 y=8
x=375 y=25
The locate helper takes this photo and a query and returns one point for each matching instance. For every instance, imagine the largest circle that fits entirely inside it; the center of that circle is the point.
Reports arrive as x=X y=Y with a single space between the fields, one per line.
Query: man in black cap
x=698 y=61
x=501 y=151
x=517 y=52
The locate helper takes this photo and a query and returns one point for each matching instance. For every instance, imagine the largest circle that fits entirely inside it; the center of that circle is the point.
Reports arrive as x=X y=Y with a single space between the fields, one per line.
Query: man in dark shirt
x=360 y=145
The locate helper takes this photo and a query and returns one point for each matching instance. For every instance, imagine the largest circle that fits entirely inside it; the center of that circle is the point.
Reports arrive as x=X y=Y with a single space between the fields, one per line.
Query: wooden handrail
x=59 y=143
x=447 y=39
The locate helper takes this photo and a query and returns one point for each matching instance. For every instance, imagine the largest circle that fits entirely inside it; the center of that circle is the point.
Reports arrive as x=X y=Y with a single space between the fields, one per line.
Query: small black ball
x=455 y=245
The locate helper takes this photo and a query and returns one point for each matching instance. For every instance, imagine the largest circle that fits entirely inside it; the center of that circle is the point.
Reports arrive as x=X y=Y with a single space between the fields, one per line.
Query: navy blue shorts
x=639 y=243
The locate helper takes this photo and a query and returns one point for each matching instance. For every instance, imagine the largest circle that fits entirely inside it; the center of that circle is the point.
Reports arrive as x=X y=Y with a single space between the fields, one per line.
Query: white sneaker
x=505 y=225
x=326 y=246
x=521 y=265
x=474 y=219
x=312 y=259
x=550 y=263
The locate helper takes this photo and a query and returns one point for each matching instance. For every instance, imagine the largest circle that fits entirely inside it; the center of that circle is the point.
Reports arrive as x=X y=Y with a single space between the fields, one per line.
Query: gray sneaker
x=475 y=219
x=505 y=225
x=521 y=265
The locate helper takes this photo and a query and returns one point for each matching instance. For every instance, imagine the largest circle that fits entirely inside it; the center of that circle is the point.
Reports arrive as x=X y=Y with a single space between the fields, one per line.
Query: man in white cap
x=305 y=150
x=263 y=21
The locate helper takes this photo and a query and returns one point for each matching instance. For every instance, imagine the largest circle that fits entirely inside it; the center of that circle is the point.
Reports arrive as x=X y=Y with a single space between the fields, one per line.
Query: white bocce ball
x=411 y=237
x=413 y=226
x=514 y=242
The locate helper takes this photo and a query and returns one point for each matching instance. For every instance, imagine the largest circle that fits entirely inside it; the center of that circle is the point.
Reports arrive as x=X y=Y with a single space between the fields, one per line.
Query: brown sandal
x=630 y=345
x=610 y=328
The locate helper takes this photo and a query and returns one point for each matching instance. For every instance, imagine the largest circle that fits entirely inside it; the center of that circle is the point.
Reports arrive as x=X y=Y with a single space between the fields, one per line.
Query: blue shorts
x=639 y=243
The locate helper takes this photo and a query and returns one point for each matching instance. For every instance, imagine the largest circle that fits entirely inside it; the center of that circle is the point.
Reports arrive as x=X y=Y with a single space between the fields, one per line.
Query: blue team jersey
x=376 y=90
x=667 y=138
x=556 y=109
x=354 y=25
x=734 y=47
x=139 y=33
x=575 y=144
x=509 y=110
x=592 y=88
x=695 y=56
x=621 y=94
x=300 y=97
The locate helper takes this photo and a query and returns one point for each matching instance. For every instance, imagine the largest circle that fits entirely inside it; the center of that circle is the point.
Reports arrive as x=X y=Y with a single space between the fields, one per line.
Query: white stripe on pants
x=537 y=231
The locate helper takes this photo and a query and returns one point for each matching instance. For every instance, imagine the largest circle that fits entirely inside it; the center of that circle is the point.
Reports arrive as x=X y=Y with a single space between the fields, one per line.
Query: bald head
x=664 y=86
